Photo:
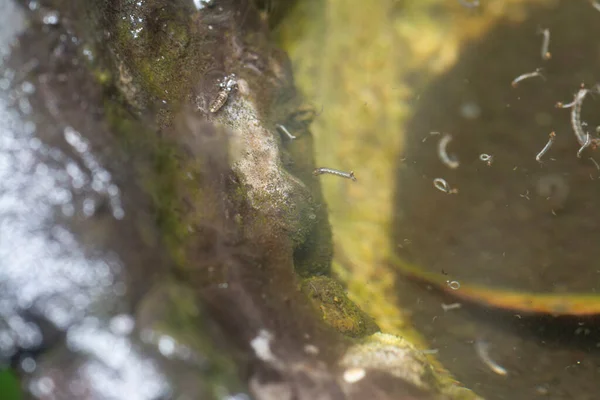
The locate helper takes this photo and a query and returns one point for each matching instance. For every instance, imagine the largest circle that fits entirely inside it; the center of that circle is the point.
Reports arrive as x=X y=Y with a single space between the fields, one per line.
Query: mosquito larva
x=576 y=114
x=441 y=185
x=588 y=141
x=449 y=307
x=486 y=158
x=537 y=72
x=481 y=347
x=546 y=55
x=347 y=175
x=284 y=130
x=551 y=138
x=450 y=162
x=595 y=163
x=454 y=285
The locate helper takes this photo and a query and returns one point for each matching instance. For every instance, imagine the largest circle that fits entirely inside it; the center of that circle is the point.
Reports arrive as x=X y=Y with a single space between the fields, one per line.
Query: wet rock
x=331 y=301
x=399 y=357
x=155 y=243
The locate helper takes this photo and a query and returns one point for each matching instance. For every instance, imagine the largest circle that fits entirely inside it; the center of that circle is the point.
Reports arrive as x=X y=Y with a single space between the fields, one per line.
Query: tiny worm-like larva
x=347 y=175
x=284 y=130
x=454 y=285
x=481 y=347
x=537 y=72
x=551 y=138
x=453 y=306
x=486 y=158
x=441 y=185
x=588 y=141
x=575 y=106
x=450 y=162
x=546 y=55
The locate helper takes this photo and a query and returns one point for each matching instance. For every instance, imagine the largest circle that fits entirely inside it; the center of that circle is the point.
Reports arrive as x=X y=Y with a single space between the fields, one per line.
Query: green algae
x=332 y=303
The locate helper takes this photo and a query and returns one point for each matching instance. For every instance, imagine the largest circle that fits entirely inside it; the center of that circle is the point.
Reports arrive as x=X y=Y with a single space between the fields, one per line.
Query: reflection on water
x=46 y=275
x=56 y=292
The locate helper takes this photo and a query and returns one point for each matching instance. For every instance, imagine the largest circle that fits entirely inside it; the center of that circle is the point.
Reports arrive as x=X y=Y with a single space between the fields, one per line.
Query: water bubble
x=27 y=87
x=166 y=346
x=119 y=213
x=28 y=365
x=122 y=324
x=51 y=18
x=89 y=207
x=29 y=128
x=43 y=387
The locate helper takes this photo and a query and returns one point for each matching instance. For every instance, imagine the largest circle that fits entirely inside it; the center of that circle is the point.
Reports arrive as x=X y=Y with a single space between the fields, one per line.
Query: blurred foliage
x=9 y=386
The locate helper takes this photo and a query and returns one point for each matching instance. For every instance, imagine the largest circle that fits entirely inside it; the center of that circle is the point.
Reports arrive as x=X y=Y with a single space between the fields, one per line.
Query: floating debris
x=353 y=375
x=282 y=128
x=486 y=158
x=537 y=72
x=539 y=156
x=469 y=4
x=453 y=306
x=347 y=175
x=432 y=133
x=450 y=162
x=481 y=347
x=441 y=185
x=546 y=55
x=261 y=345
x=311 y=349
x=526 y=195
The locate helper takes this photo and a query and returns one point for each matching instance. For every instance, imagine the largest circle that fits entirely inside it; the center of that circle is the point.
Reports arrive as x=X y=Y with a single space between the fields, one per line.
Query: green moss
x=313 y=257
x=157 y=168
x=330 y=300
x=9 y=385
x=156 y=51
